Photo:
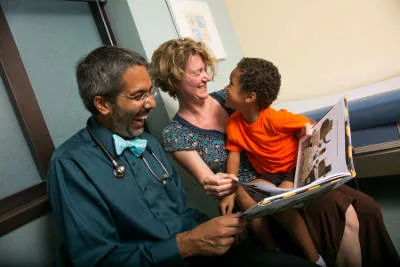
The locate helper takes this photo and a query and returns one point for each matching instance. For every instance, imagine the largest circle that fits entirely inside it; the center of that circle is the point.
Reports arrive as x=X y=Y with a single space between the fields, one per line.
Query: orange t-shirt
x=270 y=142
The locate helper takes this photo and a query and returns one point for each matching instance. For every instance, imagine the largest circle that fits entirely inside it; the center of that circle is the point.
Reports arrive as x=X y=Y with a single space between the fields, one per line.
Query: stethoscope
x=119 y=168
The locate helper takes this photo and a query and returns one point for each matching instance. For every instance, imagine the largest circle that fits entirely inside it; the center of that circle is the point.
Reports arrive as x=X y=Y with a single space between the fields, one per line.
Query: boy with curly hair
x=270 y=139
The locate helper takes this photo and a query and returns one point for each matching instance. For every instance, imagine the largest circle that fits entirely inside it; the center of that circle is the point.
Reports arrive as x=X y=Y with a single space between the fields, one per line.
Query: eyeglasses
x=142 y=97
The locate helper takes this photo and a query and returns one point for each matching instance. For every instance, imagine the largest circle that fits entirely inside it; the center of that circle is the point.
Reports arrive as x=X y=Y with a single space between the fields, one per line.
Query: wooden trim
x=23 y=99
x=31 y=203
x=22 y=207
x=102 y=23
x=377 y=148
x=377 y=160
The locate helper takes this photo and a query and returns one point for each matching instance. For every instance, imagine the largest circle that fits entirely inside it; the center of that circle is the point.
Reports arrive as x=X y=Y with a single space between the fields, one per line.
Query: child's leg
x=259 y=226
x=294 y=224
x=286 y=184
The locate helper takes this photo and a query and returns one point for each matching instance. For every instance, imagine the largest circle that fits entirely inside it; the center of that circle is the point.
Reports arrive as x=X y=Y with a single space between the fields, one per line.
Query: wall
x=42 y=30
x=51 y=35
x=321 y=47
x=143 y=26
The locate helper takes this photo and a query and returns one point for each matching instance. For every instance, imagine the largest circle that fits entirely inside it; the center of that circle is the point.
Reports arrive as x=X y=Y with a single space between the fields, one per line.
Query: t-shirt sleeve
x=286 y=121
x=177 y=137
x=233 y=134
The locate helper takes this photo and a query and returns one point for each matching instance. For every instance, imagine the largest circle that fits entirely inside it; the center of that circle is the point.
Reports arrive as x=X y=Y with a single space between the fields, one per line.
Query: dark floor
x=386 y=192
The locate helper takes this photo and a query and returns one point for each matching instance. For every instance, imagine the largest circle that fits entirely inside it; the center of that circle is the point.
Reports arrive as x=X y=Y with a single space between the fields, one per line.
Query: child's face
x=235 y=98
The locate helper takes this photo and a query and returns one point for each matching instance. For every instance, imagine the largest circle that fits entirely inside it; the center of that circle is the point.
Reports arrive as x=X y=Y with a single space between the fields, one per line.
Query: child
x=270 y=138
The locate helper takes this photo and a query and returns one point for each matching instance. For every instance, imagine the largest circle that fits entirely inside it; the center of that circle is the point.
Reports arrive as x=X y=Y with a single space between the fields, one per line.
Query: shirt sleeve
x=285 y=121
x=88 y=228
x=176 y=137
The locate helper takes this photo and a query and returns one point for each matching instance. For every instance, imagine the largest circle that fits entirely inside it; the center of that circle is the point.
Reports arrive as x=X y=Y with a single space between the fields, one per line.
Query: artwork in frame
x=193 y=19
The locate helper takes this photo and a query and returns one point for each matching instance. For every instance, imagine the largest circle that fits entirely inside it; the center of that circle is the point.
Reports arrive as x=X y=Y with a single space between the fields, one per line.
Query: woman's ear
x=102 y=105
x=251 y=97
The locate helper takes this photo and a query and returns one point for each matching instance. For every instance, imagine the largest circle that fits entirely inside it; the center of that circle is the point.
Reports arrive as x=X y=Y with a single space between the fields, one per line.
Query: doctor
x=116 y=198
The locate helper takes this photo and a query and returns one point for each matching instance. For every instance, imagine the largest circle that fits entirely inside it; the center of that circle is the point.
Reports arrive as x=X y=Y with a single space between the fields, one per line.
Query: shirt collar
x=103 y=135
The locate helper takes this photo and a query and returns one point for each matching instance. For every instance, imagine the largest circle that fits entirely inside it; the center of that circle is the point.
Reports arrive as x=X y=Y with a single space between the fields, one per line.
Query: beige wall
x=321 y=46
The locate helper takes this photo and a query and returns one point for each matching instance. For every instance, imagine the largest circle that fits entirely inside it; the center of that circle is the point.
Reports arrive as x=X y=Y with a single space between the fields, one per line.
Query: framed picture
x=193 y=19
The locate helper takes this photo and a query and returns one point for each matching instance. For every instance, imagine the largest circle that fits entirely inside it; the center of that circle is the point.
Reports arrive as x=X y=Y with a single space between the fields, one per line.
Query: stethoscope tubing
x=119 y=168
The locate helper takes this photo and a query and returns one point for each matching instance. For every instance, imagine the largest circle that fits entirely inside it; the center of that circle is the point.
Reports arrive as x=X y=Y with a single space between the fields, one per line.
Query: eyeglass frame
x=144 y=97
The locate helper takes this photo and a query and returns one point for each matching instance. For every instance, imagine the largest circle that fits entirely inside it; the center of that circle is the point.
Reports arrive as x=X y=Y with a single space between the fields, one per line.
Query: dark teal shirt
x=131 y=221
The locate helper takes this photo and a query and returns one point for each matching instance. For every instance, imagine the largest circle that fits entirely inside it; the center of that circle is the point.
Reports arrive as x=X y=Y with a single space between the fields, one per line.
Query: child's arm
x=233 y=162
x=232 y=166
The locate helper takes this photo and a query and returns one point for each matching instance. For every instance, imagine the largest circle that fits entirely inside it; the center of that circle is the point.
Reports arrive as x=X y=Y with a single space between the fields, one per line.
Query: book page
x=324 y=153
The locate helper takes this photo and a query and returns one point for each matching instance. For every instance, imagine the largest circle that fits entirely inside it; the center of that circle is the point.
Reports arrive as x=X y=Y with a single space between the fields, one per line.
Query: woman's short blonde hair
x=169 y=60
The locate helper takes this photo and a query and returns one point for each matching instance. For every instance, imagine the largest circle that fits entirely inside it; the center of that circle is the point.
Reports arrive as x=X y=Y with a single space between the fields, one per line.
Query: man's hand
x=220 y=184
x=226 y=204
x=214 y=237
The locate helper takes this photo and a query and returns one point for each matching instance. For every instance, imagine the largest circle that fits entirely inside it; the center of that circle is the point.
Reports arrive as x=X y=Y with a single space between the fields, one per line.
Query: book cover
x=324 y=161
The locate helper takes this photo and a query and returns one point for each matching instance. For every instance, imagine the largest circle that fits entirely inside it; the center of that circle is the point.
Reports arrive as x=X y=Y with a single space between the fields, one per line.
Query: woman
x=346 y=225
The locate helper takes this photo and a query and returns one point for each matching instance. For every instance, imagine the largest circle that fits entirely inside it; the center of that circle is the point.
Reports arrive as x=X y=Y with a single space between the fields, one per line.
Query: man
x=118 y=202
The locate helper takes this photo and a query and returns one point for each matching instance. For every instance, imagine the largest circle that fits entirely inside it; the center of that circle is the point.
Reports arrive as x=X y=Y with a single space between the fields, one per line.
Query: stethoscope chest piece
x=119 y=171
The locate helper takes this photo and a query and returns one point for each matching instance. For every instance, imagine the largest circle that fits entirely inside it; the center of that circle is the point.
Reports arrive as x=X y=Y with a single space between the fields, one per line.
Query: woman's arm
x=218 y=185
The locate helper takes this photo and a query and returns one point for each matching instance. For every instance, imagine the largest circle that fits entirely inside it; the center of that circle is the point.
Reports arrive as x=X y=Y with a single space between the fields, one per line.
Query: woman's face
x=235 y=98
x=195 y=79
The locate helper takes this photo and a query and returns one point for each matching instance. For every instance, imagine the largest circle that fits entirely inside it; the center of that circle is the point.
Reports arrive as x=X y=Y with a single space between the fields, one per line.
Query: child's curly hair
x=260 y=76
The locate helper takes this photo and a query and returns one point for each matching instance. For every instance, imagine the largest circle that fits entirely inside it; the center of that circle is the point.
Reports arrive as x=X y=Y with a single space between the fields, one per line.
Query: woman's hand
x=220 y=184
x=226 y=204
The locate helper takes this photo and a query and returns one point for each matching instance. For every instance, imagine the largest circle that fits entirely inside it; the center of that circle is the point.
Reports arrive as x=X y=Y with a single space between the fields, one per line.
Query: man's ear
x=251 y=97
x=102 y=105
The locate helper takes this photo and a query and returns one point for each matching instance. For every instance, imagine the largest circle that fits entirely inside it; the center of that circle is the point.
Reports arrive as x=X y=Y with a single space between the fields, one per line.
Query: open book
x=324 y=162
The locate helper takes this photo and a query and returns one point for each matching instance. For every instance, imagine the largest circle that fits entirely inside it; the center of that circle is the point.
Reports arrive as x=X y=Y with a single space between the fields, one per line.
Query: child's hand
x=308 y=129
x=226 y=204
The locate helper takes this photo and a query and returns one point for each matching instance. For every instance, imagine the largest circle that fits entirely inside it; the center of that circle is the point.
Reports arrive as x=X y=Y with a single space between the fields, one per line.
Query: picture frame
x=193 y=19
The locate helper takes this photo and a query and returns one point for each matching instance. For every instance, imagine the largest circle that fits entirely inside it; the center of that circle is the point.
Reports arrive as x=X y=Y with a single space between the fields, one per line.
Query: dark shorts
x=278 y=178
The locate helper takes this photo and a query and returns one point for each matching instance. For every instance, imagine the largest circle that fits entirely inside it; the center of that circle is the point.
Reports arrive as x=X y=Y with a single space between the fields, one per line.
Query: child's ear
x=251 y=97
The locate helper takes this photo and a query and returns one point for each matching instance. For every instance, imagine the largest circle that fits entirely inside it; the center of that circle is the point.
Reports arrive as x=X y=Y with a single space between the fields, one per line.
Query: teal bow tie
x=137 y=146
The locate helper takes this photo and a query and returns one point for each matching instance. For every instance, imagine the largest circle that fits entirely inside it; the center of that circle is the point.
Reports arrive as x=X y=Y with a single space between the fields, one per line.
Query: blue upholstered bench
x=374 y=112
x=373 y=119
